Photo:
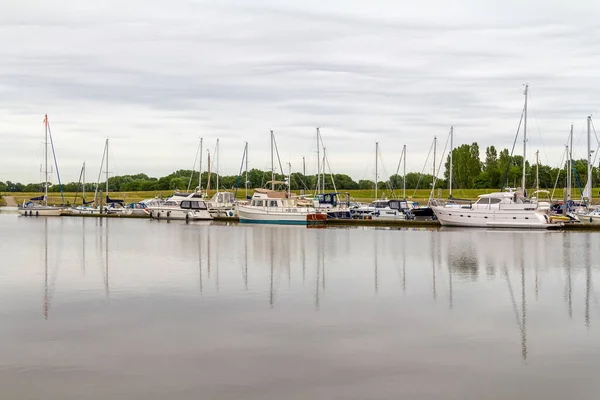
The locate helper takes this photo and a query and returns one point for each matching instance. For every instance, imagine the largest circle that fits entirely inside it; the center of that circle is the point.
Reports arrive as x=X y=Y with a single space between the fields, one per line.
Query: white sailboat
x=222 y=204
x=499 y=209
x=589 y=216
x=38 y=206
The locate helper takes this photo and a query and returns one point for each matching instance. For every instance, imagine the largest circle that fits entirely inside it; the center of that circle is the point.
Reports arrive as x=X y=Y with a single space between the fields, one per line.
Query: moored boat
x=273 y=207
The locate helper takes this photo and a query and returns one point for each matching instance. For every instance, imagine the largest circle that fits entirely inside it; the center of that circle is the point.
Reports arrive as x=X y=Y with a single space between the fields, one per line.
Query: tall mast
x=83 y=191
x=376 y=162
x=200 y=167
x=208 y=180
x=318 y=163
x=46 y=161
x=434 y=150
x=588 y=187
x=272 y=165
x=217 y=160
x=289 y=180
x=525 y=138
x=537 y=170
x=404 y=173
x=323 y=166
x=106 y=150
x=451 y=147
x=569 y=166
x=246 y=169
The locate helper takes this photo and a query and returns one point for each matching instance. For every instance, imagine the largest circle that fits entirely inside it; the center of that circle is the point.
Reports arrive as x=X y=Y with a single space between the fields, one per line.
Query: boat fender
x=158 y=215
x=590 y=220
x=151 y=212
x=37 y=214
x=168 y=214
x=187 y=217
x=231 y=213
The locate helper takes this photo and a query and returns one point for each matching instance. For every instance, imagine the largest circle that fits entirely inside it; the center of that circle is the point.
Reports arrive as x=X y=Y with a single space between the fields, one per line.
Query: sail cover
x=113 y=201
x=39 y=198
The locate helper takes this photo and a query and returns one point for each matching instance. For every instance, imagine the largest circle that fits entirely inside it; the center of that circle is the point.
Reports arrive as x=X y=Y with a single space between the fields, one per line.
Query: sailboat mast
x=589 y=160
x=318 y=163
x=246 y=169
x=272 y=164
x=376 y=162
x=200 y=166
x=83 y=191
x=106 y=150
x=208 y=180
x=451 y=147
x=217 y=160
x=537 y=170
x=46 y=161
x=404 y=173
x=570 y=165
x=434 y=151
x=525 y=138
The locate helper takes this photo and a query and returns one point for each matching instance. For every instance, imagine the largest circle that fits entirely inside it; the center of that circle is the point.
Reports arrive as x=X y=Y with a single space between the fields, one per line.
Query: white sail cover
x=587 y=192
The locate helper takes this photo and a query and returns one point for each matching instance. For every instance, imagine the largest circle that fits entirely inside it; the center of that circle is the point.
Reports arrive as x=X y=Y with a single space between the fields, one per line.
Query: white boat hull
x=179 y=214
x=41 y=212
x=589 y=219
x=529 y=219
x=291 y=215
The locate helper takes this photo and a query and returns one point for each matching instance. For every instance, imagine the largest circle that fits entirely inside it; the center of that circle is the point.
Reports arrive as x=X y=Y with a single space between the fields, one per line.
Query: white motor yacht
x=182 y=206
x=498 y=209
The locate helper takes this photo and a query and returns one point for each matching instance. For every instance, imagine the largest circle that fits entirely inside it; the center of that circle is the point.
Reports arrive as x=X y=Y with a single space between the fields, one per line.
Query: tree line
x=497 y=170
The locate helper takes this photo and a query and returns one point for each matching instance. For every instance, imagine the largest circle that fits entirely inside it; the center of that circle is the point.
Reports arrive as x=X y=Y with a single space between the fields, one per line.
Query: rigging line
x=330 y=173
x=423 y=170
x=441 y=161
x=538 y=128
x=62 y=195
x=278 y=159
x=397 y=169
x=365 y=175
x=194 y=167
x=559 y=171
x=512 y=151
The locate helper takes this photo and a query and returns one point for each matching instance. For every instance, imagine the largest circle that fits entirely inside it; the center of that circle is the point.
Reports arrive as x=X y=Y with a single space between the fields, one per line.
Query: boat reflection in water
x=440 y=303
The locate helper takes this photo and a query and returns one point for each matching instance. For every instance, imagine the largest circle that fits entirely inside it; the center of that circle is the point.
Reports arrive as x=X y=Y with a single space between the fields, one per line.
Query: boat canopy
x=113 y=201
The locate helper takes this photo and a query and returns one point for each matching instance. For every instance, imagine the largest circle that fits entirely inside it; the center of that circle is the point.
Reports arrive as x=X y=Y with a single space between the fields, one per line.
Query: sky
x=155 y=76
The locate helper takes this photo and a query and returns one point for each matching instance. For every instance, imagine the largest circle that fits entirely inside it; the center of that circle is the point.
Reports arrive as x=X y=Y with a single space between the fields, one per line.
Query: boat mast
x=451 y=147
x=433 y=180
x=106 y=150
x=83 y=190
x=569 y=166
x=200 y=167
x=404 y=173
x=46 y=161
x=537 y=170
x=272 y=165
x=318 y=163
x=376 y=162
x=246 y=169
x=588 y=187
x=525 y=138
x=217 y=160
x=289 y=180
x=208 y=180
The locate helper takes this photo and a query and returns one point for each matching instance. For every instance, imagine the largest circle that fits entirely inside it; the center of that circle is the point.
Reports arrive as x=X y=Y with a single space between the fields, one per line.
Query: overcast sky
x=154 y=76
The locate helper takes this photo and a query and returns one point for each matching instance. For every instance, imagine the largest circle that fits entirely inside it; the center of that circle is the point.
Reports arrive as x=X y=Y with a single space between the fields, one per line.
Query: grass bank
x=420 y=195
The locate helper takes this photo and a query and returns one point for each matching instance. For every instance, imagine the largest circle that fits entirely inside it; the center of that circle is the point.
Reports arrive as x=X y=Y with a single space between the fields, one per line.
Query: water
x=138 y=309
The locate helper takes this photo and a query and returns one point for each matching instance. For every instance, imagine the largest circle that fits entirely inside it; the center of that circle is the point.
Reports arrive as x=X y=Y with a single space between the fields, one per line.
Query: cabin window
x=273 y=203
x=198 y=205
x=495 y=201
x=185 y=204
x=483 y=200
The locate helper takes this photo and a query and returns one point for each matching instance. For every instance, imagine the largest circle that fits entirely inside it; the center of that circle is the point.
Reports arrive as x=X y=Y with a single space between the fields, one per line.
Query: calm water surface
x=137 y=309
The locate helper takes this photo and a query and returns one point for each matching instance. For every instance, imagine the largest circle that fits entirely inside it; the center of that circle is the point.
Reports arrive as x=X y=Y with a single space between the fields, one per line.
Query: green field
x=355 y=195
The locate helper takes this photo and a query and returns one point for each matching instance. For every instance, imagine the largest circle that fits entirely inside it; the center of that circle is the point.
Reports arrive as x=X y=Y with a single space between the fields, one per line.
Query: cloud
x=155 y=77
